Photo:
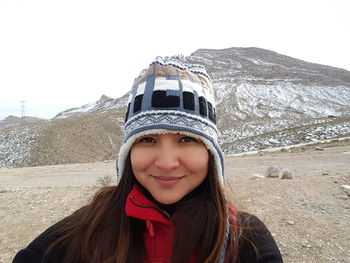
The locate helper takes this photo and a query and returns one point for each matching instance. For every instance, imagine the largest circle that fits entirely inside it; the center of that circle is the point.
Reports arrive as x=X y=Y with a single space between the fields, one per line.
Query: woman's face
x=169 y=166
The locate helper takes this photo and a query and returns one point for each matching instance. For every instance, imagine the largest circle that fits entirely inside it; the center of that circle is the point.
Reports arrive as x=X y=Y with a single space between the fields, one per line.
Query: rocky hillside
x=87 y=138
x=270 y=100
x=104 y=104
x=262 y=83
x=11 y=121
x=264 y=100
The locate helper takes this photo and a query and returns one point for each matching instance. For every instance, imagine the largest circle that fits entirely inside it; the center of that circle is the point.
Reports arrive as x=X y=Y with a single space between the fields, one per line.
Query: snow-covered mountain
x=103 y=104
x=264 y=100
x=254 y=82
x=258 y=83
x=262 y=96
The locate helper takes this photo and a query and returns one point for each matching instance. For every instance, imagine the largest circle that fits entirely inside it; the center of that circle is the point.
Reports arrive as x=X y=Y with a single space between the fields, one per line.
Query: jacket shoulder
x=35 y=251
x=256 y=243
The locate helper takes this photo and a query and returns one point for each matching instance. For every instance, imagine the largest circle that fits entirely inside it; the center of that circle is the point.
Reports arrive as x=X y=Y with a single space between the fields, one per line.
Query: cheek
x=197 y=162
x=140 y=160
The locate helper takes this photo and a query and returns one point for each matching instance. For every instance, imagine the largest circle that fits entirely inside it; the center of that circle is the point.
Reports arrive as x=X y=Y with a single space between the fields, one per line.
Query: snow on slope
x=101 y=105
x=284 y=100
x=263 y=134
x=263 y=96
x=16 y=144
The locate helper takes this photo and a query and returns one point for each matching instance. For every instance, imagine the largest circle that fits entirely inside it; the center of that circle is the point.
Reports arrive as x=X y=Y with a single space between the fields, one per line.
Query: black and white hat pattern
x=172 y=97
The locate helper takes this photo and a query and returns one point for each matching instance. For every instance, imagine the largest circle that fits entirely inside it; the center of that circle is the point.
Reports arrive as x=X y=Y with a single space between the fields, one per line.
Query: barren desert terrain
x=308 y=215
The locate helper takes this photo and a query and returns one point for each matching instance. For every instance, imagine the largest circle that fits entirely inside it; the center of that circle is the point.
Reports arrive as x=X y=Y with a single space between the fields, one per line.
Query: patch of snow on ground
x=282 y=138
x=15 y=144
x=260 y=62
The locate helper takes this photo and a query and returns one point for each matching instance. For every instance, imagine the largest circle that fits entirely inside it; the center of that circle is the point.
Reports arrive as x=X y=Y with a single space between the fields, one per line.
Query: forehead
x=169 y=133
x=165 y=135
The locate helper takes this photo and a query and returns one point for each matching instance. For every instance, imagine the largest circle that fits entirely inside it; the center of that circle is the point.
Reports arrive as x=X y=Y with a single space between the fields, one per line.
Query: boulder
x=346 y=189
x=286 y=174
x=273 y=172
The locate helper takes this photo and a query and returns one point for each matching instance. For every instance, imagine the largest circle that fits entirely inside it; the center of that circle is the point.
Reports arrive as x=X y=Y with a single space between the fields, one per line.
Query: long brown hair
x=102 y=232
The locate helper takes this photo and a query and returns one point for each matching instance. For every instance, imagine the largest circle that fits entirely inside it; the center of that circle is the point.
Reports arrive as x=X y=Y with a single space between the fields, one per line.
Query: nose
x=167 y=158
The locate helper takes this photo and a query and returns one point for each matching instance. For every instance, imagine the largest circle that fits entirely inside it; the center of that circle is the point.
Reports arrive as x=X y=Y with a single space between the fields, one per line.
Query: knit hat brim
x=209 y=143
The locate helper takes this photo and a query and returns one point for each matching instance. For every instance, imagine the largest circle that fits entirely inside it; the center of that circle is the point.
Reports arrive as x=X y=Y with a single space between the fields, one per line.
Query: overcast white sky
x=60 y=54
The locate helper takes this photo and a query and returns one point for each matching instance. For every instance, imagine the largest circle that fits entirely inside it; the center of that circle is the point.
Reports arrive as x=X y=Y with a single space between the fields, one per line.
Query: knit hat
x=172 y=97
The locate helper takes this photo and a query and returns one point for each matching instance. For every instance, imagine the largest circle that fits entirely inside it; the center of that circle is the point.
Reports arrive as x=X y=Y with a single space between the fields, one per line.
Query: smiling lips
x=167 y=181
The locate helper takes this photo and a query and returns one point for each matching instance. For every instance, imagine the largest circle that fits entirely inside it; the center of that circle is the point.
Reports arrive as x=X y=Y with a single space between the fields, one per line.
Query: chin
x=167 y=201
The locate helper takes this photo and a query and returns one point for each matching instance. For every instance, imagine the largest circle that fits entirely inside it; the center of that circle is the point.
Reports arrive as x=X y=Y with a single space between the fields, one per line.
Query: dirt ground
x=308 y=215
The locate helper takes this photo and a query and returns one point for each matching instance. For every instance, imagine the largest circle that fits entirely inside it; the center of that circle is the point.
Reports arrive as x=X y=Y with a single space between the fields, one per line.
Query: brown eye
x=188 y=139
x=146 y=140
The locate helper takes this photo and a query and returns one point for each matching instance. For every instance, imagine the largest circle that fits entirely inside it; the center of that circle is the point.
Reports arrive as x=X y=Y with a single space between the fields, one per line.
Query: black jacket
x=264 y=245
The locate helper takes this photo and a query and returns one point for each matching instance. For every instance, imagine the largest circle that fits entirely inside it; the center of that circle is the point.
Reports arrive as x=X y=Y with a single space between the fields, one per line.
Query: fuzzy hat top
x=171 y=96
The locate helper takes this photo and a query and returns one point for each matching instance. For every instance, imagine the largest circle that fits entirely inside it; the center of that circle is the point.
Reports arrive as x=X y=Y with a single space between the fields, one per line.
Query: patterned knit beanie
x=172 y=97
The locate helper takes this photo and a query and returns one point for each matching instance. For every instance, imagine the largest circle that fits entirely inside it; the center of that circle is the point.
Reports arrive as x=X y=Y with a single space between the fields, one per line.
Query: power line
x=23 y=116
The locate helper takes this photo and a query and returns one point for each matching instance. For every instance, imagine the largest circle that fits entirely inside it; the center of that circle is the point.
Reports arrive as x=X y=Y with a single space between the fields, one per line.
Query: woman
x=169 y=204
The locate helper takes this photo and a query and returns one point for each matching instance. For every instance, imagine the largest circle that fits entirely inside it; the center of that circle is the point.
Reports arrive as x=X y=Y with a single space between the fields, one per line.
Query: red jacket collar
x=139 y=206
